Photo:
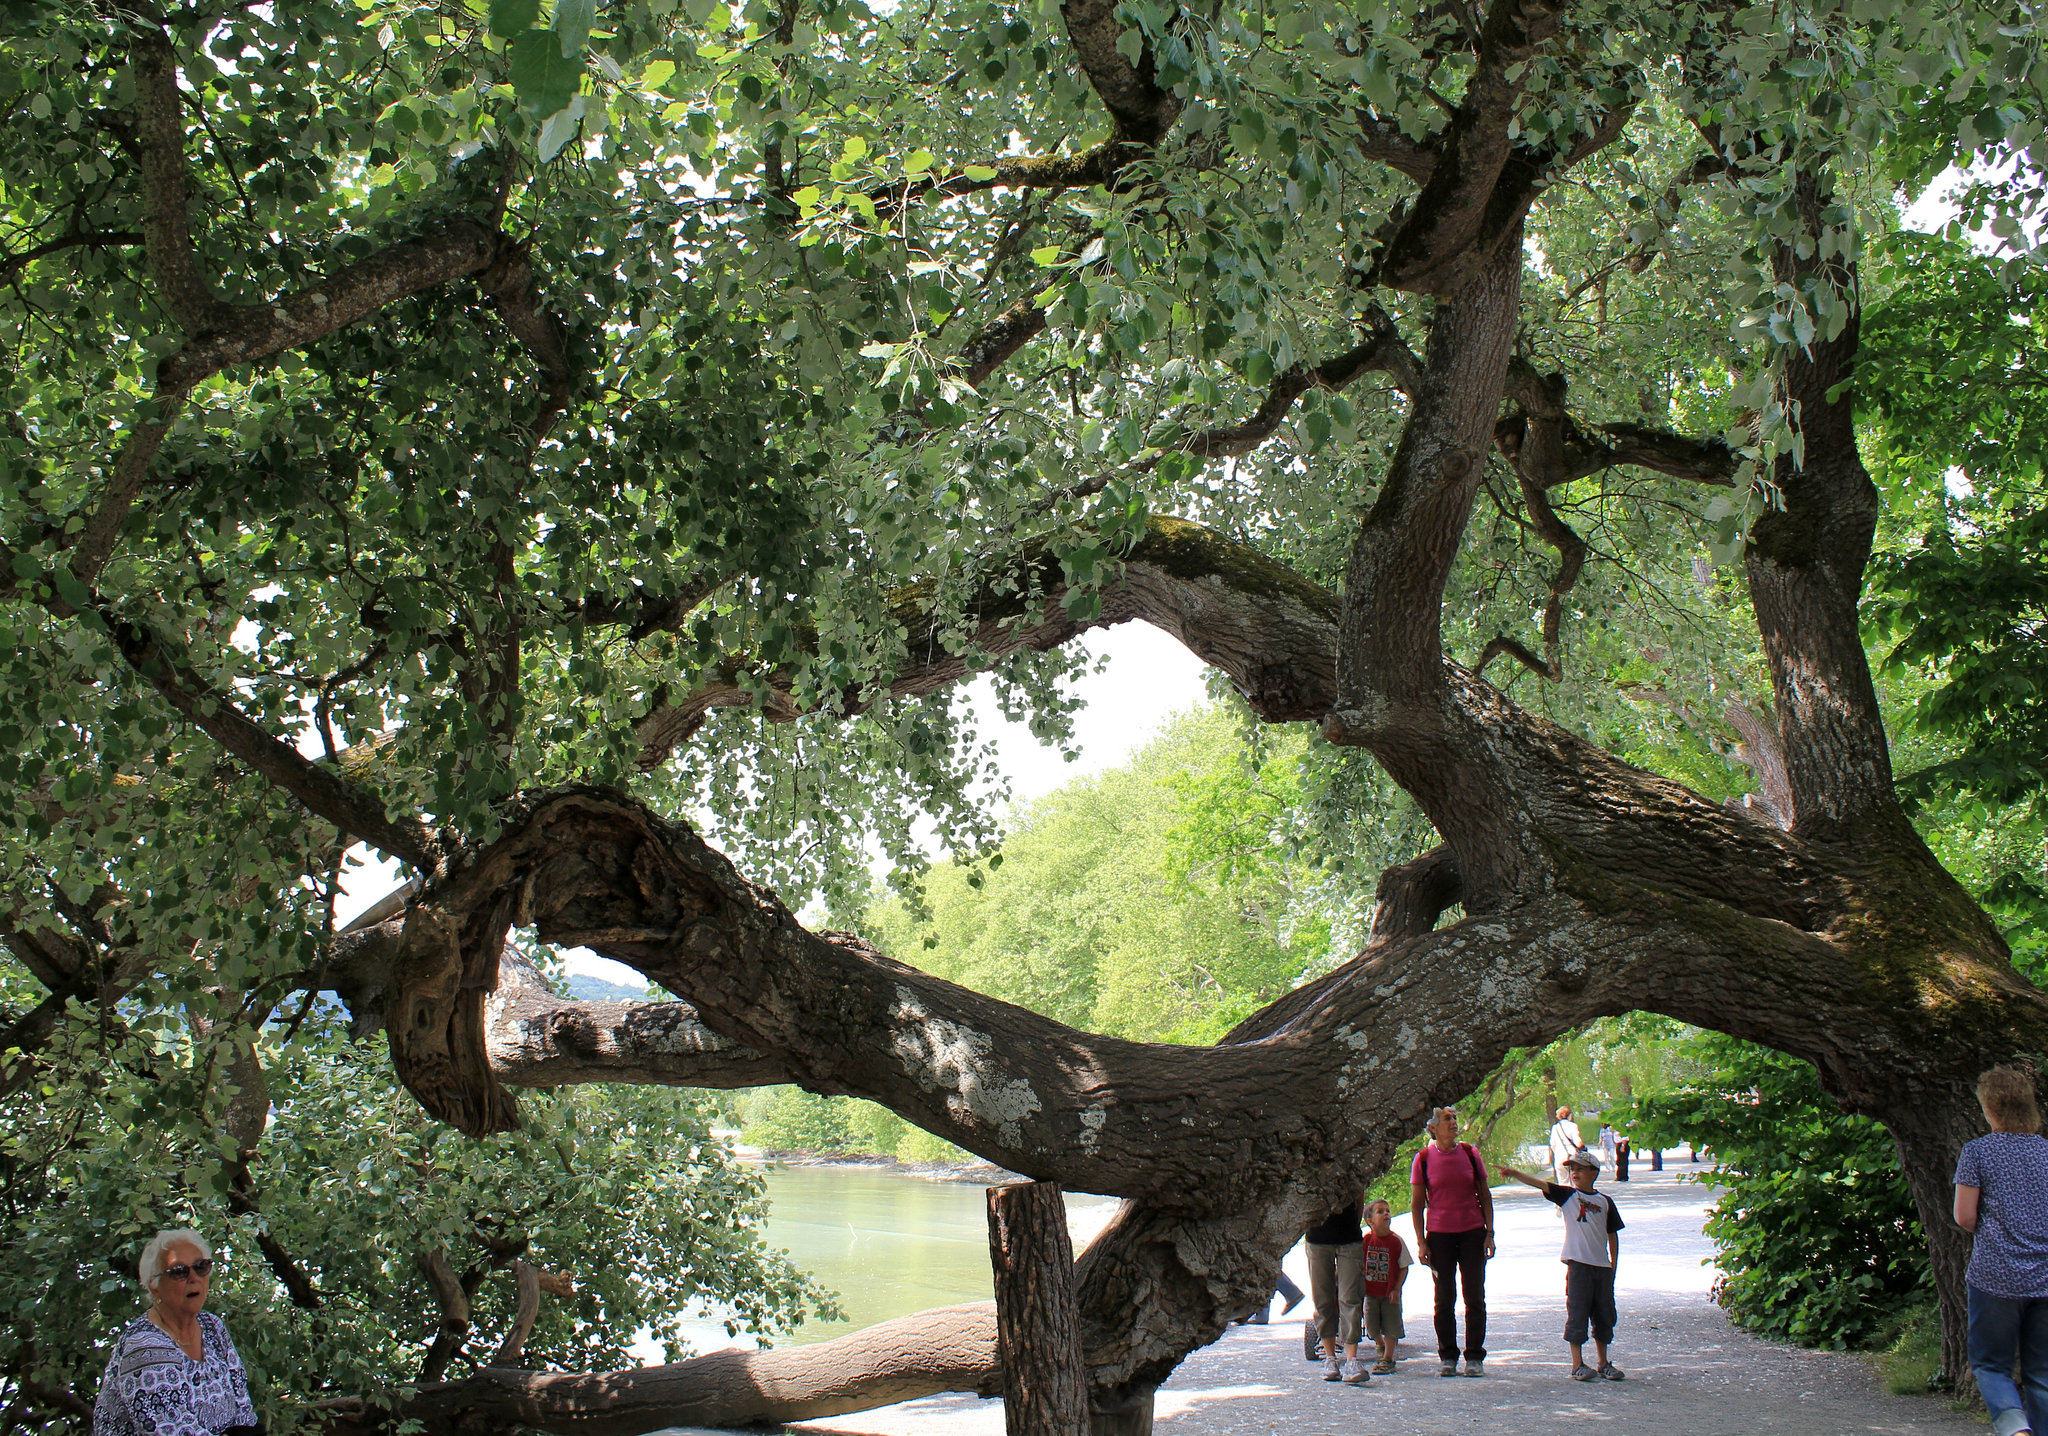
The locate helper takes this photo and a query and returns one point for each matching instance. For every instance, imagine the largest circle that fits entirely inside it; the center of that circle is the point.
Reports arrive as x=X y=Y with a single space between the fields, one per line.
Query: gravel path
x=1689 y=1371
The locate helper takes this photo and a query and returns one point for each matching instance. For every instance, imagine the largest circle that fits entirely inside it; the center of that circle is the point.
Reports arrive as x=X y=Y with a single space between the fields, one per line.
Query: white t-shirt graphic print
x=1588 y=1218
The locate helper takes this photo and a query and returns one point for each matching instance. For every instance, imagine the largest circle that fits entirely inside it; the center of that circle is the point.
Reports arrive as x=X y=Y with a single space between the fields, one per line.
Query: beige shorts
x=1383 y=1318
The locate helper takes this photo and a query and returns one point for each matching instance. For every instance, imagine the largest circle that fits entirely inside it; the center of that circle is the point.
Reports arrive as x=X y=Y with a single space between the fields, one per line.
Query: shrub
x=1815 y=1232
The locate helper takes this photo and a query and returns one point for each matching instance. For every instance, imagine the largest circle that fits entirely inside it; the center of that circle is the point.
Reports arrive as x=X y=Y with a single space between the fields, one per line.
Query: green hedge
x=1815 y=1232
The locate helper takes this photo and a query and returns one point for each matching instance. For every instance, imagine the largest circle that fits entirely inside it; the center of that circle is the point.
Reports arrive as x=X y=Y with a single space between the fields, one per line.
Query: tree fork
x=1038 y=1339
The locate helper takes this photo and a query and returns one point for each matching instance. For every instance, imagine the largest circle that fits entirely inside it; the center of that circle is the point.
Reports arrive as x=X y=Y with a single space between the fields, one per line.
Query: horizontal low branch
x=1188 y=1128
x=948 y=1348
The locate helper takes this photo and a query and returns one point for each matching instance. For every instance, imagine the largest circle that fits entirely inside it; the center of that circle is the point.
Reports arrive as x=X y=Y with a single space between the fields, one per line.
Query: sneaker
x=1333 y=1370
x=1449 y=1368
x=1383 y=1367
x=1610 y=1372
x=1583 y=1372
x=1355 y=1373
x=1474 y=1366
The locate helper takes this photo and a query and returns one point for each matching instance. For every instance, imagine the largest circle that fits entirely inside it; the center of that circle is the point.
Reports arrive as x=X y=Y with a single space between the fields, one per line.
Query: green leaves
x=573 y=19
x=513 y=17
x=1151 y=902
x=1816 y=1236
x=545 y=75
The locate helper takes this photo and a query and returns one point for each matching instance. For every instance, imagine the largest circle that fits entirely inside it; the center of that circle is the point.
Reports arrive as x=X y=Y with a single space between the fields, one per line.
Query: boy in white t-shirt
x=1592 y=1247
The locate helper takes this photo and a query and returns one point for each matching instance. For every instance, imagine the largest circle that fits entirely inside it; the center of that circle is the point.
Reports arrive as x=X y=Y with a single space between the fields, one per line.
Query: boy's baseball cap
x=1583 y=1159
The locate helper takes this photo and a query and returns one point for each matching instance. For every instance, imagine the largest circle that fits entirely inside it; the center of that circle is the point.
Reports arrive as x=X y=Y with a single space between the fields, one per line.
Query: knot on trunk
x=447 y=967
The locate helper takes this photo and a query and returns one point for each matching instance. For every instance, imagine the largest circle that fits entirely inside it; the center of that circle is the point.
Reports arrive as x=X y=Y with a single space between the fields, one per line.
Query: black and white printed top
x=152 y=1388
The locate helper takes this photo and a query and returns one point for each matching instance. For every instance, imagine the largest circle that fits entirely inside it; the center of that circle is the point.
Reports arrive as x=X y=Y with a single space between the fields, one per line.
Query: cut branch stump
x=1038 y=1328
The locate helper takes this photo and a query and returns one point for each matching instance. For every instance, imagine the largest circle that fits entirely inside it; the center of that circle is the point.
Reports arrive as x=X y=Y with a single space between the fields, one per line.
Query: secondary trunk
x=1038 y=1339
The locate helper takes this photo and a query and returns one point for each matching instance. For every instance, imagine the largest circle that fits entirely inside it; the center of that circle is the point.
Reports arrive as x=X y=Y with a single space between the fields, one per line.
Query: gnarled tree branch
x=536 y=1039
x=949 y=1348
x=1142 y=111
x=323 y=790
x=1382 y=351
x=1470 y=203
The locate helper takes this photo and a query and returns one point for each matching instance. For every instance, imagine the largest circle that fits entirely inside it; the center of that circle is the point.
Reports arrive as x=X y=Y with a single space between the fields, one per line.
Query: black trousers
x=1452 y=1256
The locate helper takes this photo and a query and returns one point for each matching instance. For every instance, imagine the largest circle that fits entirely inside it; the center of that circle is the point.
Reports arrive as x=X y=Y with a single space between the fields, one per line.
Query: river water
x=887 y=1242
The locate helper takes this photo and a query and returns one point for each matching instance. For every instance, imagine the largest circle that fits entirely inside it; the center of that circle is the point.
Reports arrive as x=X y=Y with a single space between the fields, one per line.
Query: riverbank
x=977 y=1174
x=884 y=1239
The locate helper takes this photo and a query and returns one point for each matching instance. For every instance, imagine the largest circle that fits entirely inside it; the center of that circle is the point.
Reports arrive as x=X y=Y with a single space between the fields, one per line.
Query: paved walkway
x=1689 y=1370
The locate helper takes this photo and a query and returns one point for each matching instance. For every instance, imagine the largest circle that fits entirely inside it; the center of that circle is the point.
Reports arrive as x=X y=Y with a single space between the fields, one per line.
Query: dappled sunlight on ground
x=1183 y=1399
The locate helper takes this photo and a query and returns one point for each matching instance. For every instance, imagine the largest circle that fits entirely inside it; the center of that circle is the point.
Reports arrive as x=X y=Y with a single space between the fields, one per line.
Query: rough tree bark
x=1038 y=1337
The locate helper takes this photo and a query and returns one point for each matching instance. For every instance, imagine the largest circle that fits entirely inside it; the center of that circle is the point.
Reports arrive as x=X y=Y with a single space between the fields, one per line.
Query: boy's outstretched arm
x=1523 y=1177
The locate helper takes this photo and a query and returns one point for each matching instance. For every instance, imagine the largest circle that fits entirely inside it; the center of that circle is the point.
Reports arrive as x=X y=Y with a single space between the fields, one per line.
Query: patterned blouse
x=152 y=1388
x=2009 y=1258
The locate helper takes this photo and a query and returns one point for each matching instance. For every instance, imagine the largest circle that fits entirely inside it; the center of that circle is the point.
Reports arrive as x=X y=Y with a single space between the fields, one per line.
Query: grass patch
x=1908 y=1350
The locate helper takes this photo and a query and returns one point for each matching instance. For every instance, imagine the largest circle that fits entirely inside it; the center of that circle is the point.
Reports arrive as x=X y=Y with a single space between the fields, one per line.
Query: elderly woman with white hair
x=174 y=1371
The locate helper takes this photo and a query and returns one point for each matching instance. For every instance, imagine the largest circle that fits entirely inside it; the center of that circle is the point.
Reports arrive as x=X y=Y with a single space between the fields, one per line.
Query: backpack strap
x=1471 y=1155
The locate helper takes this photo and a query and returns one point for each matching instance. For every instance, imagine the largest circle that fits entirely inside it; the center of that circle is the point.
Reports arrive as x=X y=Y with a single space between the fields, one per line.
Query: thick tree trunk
x=1038 y=1339
x=1133 y=1417
x=1930 y=1134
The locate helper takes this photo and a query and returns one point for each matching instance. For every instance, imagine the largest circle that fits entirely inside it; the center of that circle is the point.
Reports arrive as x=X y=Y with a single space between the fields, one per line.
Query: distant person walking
x=2002 y=1197
x=1621 y=1150
x=1451 y=1205
x=1564 y=1140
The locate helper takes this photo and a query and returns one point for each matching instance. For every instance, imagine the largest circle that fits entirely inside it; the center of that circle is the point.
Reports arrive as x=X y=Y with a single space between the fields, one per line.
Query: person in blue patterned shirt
x=2002 y=1196
x=174 y=1371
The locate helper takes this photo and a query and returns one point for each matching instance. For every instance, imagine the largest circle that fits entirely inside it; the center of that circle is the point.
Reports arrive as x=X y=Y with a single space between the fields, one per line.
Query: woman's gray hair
x=151 y=1267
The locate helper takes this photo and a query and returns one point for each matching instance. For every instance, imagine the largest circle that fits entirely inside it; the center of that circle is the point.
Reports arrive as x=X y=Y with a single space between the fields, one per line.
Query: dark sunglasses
x=201 y=1268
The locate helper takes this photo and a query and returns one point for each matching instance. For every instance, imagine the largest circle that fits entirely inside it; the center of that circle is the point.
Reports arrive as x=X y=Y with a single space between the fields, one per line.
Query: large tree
x=539 y=444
